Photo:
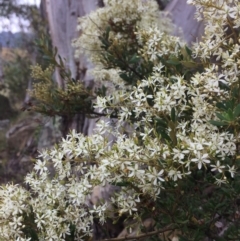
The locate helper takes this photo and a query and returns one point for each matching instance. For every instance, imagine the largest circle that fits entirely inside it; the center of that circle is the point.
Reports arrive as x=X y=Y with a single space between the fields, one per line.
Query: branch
x=141 y=235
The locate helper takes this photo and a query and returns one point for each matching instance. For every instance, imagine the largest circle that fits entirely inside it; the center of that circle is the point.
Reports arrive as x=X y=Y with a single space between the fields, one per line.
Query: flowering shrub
x=174 y=151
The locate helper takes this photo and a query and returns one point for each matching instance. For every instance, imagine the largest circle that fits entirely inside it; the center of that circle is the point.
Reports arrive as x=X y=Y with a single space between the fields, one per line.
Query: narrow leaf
x=221 y=117
x=173 y=114
x=173 y=62
x=237 y=111
x=161 y=122
x=188 y=50
x=188 y=64
x=221 y=106
x=218 y=123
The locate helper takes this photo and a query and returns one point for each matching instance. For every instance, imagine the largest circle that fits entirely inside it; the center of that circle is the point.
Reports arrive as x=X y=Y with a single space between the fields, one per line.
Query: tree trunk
x=62 y=19
x=182 y=16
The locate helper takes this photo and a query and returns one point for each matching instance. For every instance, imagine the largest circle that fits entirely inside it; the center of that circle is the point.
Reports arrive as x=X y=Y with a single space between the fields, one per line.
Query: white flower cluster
x=120 y=19
x=221 y=40
x=14 y=204
x=116 y=12
x=157 y=43
x=142 y=162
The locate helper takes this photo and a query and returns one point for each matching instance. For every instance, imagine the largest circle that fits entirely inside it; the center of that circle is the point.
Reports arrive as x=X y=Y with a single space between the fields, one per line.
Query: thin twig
x=140 y=236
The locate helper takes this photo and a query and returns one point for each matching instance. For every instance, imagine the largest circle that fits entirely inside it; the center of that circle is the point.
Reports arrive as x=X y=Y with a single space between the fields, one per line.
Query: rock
x=24 y=139
x=22 y=135
x=4 y=124
x=49 y=133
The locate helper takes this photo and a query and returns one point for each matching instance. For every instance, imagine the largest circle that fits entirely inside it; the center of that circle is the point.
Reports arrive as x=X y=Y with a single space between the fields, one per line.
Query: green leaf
x=221 y=106
x=230 y=104
x=121 y=184
x=172 y=133
x=218 y=123
x=61 y=61
x=164 y=135
x=184 y=53
x=161 y=122
x=173 y=114
x=107 y=32
x=173 y=62
x=222 y=117
x=134 y=59
x=188 y=50
x=230 y=115
x=188 y=64
x=104 y=42
x=125 y=77
x=226 y=192
x=46 y=57
x=237 y=111
x=220 y=205
x=182 y=221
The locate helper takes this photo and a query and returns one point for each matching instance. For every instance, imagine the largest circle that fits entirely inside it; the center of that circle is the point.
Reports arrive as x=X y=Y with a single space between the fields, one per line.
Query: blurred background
x=22 y=133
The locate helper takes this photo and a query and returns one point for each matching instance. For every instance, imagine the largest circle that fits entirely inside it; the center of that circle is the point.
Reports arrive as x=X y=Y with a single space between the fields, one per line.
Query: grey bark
x=182 y=16
x=62 y=17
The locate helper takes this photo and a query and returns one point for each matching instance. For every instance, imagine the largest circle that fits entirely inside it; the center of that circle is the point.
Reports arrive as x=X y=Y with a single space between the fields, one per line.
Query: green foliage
x=17 y=60
x=51 y=99
x=16 y=76
x=134 y=65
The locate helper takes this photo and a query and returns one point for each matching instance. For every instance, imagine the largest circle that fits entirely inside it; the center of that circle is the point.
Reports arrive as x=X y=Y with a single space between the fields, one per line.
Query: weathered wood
x=182 y=15
x=62 y=18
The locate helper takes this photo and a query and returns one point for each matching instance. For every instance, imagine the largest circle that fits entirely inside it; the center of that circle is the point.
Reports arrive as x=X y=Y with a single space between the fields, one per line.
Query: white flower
x=16 y=223
x=163 y=101
x=179 y=89
x=174 y=174
x=179 y=155
x=154 y=39
x=23 y=239
x=40 y=166
x=232 y=170
x=135 y=171
x=219 y=182
x=155 y=176
x=217 y=167
x=201 y=159
x=40 y=220
x=131 y=151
